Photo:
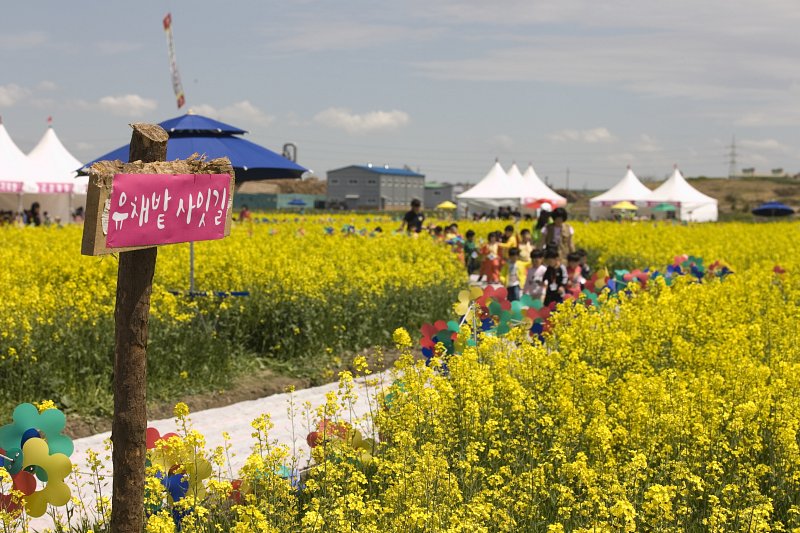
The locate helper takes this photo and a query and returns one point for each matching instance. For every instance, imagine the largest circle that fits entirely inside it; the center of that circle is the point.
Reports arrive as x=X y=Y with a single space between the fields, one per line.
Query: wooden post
x=131 y=315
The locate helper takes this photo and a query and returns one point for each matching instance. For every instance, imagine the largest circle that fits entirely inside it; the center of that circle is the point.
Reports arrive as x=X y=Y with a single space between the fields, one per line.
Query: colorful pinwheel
x=32 y=446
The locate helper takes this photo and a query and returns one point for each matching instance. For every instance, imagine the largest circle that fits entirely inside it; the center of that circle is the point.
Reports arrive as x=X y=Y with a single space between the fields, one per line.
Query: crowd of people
x=36 y=217
x=541 y=262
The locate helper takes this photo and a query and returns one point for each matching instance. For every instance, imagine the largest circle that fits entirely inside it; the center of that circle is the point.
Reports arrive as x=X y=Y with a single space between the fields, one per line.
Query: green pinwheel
x=28 y=423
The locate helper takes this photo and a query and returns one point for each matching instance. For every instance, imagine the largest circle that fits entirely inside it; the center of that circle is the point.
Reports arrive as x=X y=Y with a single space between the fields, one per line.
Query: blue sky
x=441 y=85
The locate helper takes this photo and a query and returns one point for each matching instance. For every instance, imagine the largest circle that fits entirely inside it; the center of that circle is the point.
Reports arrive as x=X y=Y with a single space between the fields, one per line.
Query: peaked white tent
x=534 y=189
x=628 y=189
x=690 y=204
x=16 y=172
x=515 y=176
x=495 y=189
x=54 y=184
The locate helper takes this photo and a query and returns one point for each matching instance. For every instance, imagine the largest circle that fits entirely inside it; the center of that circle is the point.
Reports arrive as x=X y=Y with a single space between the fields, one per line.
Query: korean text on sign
x=151 y=209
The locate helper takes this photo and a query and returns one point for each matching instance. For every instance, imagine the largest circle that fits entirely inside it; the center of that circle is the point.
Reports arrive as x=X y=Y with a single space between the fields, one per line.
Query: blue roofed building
x=368 y=187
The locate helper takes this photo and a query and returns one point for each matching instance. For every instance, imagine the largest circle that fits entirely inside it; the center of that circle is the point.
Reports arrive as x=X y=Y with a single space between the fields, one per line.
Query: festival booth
x=628 y=189
x=690 y=204
x=536 y=192
x=55 y=184
x=15 y=174
x=494 y=190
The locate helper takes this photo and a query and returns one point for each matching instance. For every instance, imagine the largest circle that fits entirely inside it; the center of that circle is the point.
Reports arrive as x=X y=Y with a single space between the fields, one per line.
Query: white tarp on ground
x=535 y=189
x=15 y=173
x=628 y=189
x=691 y=204
x=494 y=190
x=54 y=184
x=234 y=419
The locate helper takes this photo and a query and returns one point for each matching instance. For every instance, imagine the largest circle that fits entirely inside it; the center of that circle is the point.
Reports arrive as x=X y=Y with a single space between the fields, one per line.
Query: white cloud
x=764 y=144
x=590 y=136
x=128 y=105
x=82 y=145
x=110 y=48
x=501 y=143
x=353 y=123
x=661 y=50
x=647 y=144
x=243 y=111
x=316 y=36
x=11 y=94
x=46 y=86
x=22 y=41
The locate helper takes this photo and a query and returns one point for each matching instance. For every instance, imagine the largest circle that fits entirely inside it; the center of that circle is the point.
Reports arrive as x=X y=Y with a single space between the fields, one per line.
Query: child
x=471 y=253
x=508 y=240
x=490 y=265
x=555 y=278
x=534 y=281
x=525 y=245
x=513 y=272
x=586 y=270
x=575 y=279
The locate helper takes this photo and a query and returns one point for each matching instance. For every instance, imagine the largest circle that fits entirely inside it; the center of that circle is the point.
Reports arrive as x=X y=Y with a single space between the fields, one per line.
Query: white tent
x=494 y=190
x=15 y=173
x=515 y=176
x=54 y=184
x=690 y=204
x=628 y=189
x=534 y=189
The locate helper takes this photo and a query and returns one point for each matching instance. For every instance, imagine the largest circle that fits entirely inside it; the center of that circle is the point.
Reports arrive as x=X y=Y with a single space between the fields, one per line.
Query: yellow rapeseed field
x=670 y=408
x=309 y=294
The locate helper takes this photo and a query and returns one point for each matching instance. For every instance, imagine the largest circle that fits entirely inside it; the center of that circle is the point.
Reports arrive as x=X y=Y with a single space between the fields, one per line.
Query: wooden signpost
x=132 y=208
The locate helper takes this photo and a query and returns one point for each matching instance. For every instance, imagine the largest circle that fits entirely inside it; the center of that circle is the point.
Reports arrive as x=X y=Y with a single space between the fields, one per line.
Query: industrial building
x=374 y=187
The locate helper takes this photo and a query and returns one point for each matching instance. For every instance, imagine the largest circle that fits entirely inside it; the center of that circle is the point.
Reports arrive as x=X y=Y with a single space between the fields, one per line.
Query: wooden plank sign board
x=131 y=206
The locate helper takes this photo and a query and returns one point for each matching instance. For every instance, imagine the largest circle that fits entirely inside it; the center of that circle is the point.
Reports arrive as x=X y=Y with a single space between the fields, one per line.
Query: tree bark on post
x=131 y=316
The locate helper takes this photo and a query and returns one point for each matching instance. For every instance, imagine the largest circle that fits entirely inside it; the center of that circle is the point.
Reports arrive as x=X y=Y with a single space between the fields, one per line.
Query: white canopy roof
x=516 y=176
x=535 y=189
x=496 y=185
x=677 y=189
x=15 y=169
x=54 y=168
x=629 y=189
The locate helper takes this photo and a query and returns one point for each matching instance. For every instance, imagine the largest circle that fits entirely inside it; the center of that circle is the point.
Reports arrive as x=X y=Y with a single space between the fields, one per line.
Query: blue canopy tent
x=195 y=134
x=773 y=209
x=190 y=134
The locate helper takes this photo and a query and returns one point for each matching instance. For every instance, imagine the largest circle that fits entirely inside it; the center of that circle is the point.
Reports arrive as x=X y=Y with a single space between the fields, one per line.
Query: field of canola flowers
x=670 y=408
x=311 y=295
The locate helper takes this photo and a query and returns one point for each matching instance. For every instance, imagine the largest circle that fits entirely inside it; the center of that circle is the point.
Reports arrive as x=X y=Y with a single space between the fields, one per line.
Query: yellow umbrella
x=447 y=204
x=625 y=206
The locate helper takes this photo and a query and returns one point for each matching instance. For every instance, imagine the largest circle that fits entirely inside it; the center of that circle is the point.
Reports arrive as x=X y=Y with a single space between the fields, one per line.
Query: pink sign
x=150 y=209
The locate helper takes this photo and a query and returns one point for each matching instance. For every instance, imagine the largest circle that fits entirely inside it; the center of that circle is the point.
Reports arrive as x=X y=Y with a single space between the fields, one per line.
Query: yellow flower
x=401 y=338
x=181 y=410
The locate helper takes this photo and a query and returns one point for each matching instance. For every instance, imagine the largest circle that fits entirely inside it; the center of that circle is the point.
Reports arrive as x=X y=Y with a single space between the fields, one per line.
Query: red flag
x=177 y=86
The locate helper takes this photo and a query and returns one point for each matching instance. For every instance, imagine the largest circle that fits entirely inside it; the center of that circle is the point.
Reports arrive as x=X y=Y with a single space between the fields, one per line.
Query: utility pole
x=732 y=161
x=567 y=179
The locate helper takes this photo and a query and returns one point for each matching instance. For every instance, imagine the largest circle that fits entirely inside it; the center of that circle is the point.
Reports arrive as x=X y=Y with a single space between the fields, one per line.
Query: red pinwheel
x=152 y=436
x=495 y=294
x=637 y=275
x=325 y=431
